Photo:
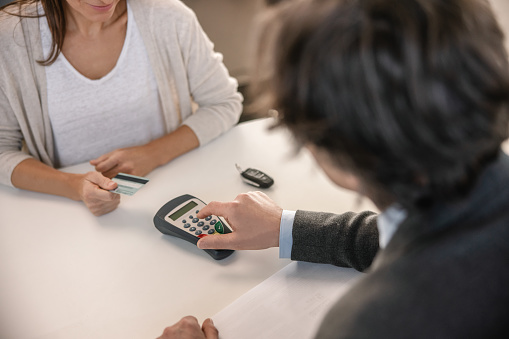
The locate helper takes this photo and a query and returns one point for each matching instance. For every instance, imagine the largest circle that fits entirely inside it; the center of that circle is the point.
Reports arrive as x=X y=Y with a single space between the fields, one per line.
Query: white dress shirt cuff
x=285 y=234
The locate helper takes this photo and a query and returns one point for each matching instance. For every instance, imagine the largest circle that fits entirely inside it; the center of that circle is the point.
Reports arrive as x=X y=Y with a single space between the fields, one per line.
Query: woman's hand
x=93 y=191
x=91 y=188
x=189 y=328
x=138 y=160
x=254 y=218
x=141 y=160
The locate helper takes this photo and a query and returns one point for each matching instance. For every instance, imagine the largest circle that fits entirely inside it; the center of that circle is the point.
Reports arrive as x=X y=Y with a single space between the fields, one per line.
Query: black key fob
x=255 y=177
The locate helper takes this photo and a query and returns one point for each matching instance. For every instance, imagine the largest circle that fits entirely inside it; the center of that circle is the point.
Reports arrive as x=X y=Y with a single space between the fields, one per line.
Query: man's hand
x=188 y=328
x=93 y=191
x=255 y=220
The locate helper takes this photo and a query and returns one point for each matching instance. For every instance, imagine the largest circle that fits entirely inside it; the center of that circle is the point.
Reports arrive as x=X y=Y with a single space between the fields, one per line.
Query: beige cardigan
x=182 y=57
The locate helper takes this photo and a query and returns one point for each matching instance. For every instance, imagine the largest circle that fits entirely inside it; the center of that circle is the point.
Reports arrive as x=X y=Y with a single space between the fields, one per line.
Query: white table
x=67 y=274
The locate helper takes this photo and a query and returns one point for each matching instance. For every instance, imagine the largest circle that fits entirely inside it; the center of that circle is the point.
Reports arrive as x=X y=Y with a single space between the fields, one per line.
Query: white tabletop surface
x=65 y=273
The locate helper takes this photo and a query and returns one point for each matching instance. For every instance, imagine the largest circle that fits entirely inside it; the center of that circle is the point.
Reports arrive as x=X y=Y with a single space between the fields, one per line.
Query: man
x=406 y=102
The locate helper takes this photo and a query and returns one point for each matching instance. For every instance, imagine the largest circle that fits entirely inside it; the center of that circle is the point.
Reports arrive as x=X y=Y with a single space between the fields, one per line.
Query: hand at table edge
x=189 y=328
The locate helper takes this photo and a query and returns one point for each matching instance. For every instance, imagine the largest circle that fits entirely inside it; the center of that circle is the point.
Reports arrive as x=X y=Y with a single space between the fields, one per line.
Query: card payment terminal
x=178 y=218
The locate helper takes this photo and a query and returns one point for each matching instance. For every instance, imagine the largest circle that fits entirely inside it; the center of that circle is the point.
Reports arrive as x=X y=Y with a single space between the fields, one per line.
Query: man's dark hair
x=410 y=95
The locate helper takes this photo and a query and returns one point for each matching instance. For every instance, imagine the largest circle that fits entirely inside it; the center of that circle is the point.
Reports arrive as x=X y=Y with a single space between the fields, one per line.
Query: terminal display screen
x=186 y=208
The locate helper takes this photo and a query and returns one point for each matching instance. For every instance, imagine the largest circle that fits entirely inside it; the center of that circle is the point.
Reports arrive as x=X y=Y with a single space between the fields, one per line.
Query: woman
x=126 y=85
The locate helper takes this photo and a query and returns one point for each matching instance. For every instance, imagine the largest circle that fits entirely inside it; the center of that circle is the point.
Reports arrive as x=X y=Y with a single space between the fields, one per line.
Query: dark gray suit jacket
x=444 y=274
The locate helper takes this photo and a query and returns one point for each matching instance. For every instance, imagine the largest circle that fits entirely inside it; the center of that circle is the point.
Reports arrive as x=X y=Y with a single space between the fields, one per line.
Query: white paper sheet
x=289 y=304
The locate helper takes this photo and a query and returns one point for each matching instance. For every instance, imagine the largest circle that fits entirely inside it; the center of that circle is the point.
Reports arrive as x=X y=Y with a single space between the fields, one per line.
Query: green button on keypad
x=219 y=227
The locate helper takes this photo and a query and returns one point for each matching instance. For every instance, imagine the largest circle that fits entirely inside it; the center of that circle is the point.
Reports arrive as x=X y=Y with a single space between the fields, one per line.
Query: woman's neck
x=89 y=27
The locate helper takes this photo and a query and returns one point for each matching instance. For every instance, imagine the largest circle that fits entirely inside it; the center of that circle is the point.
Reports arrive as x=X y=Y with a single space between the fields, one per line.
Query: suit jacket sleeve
x=346 y=240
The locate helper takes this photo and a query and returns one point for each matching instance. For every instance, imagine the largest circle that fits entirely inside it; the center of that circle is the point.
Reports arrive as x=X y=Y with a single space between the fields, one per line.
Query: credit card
x=128 y=184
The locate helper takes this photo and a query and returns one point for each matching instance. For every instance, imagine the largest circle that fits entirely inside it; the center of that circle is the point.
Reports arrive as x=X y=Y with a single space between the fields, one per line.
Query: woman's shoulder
x=161 y=4
x=14 y=11
x=9 y=17
x=164 y=11
x=10 y=20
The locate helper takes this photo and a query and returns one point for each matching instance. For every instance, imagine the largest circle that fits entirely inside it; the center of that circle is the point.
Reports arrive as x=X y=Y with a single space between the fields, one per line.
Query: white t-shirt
x=93 y=117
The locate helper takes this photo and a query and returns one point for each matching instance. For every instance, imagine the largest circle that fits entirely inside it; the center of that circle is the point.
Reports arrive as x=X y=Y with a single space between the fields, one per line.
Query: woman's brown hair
x=55 y=14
